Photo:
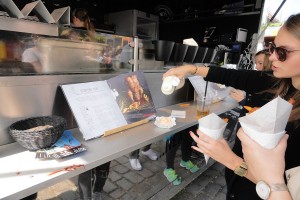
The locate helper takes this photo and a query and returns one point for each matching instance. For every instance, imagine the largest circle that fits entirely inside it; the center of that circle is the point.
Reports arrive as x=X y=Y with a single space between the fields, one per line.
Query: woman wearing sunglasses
x=285 y=82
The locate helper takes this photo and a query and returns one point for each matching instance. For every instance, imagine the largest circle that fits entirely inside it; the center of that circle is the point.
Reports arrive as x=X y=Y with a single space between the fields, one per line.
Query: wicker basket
x=38 y=139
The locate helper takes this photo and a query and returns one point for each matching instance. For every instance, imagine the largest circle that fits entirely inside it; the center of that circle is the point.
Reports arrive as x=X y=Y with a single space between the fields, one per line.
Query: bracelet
x=195 y=70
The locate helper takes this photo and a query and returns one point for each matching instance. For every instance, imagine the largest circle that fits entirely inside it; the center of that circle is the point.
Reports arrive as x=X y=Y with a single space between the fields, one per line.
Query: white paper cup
x=171 y=83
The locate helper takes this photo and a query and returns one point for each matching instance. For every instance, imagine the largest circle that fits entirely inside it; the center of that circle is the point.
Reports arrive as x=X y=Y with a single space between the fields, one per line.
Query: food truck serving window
x=25 y=54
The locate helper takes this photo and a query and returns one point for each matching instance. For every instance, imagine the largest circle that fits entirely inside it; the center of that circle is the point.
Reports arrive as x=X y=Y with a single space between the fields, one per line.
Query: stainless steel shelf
x=27 y=26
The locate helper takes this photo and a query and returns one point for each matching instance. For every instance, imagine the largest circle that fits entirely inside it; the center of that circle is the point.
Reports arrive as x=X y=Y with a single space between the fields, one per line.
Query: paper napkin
x=267 y=125
x=165 y=122
x=178 y=113
x=213 y=126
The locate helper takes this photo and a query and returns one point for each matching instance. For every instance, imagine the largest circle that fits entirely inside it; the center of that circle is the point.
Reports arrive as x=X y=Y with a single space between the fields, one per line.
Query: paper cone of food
x=267 y=125
x=213 y=126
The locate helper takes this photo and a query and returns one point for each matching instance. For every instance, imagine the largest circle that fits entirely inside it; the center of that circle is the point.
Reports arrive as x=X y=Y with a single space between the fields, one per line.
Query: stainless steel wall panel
x=29 y=96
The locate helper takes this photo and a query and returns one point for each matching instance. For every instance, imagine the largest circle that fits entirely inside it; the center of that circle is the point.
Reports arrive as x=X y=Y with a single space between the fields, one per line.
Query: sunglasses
x=280 y=52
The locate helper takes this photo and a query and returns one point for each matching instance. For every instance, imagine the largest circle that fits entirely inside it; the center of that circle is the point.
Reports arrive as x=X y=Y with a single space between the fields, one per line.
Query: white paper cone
x=267 y=125
x=266 y=140
x=213 y=126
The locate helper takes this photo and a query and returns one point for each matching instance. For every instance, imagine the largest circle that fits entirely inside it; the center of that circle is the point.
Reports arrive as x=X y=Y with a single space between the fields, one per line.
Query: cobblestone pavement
x=124 y=183
x=210 y=185
x=150 y=183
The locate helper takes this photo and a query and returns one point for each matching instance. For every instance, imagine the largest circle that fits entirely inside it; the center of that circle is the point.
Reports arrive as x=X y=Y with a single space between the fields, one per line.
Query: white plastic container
x=171 y=83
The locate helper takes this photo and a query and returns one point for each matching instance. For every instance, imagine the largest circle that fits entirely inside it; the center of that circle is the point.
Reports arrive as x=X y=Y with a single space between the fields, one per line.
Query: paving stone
x=224 y=189
x=183 y=195
x=125 y=184
x=161 y=162
x=140 y=189
x=194 y=189
x=217 y=166
x=149 y=192
x=212 y=173
x=203 y=196
x=134 y=177
x=106 y=197
x=143 y=159
x=157 y=180
x=121 y=169
x=122 y=160
x=128 y=197
x=220 y=196
x=212 y=189
x=58 y=191
x=152 y=166
x=68 y=195
x=113 y=176
x=220 y=180
x=113 y=163
x=109 y=186
x=117 y=193
x=184 y=173
x=203 y=180
x=145 y=173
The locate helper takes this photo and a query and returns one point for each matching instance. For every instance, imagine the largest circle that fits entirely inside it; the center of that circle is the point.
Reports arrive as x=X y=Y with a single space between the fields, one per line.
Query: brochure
x=100 y=106
x=65 y=146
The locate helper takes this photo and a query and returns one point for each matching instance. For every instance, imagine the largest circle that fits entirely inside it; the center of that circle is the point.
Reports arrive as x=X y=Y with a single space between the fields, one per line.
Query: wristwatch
x=241 y=170
x=264 y=190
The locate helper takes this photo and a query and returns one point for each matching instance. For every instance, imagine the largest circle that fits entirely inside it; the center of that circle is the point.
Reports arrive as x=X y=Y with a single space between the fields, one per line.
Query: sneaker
x=135 y=164
x=150 y=154
x=172 y=176
x=97 y=196
x=189 y=166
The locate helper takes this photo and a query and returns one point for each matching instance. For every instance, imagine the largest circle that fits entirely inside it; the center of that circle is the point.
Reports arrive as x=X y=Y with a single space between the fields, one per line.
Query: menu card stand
x=110 y=106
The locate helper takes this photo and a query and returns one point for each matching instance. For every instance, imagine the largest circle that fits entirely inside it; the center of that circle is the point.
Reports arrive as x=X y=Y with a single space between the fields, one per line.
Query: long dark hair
x=292 y=25
x=82 y=15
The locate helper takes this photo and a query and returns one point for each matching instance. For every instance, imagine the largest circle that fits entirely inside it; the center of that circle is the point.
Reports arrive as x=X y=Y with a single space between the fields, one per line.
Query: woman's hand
x=264 y=164
x=219 y=150
x=238 y=95
x=180 y=71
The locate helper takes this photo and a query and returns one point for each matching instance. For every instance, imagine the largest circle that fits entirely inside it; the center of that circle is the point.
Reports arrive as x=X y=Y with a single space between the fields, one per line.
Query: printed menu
x=100 y=106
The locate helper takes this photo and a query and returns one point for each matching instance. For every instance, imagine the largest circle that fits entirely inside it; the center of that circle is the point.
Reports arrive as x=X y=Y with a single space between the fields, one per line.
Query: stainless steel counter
x=21 y=174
